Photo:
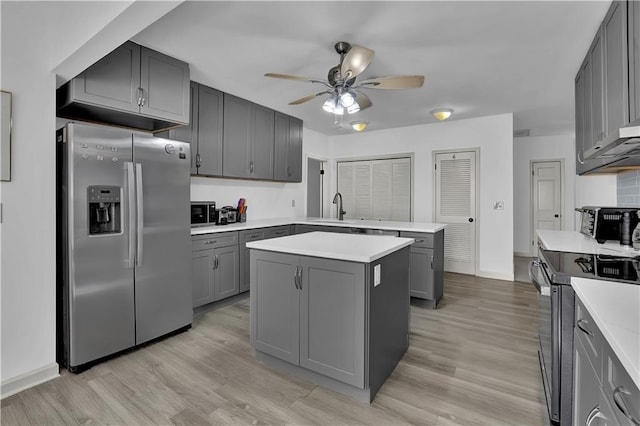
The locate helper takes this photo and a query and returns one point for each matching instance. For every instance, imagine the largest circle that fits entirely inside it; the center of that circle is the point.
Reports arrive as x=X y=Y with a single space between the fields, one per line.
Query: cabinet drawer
x=208 y=241
x=422 y=239
x=621 y=392
x=251 y=235
x=588 y=333
x=277 y=231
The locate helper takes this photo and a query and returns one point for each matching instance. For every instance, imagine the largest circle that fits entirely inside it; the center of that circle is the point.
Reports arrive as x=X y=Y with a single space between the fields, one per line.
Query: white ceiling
x=479 y=58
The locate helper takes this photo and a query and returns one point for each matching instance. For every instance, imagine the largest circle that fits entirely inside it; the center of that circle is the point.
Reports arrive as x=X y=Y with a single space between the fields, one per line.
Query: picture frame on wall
x=5 y=136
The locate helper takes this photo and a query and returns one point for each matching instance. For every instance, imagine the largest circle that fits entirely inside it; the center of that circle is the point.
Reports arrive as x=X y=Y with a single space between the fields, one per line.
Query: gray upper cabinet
x=164 y=84
x=616 y=68
x=606 y=92
x=247 y=139
x=236 y=137
x=132 y=86
x=210 y=127
x=188 y=133
x=634 y=61
x=261 y=161
x=288 y=148
x=113 y=81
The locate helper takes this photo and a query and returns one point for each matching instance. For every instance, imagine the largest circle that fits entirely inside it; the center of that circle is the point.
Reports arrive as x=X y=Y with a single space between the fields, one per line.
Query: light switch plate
x=376 y=275
x=498 y=205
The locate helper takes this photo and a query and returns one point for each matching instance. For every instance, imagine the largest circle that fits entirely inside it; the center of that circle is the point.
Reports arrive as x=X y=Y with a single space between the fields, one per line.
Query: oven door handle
x=543 y=287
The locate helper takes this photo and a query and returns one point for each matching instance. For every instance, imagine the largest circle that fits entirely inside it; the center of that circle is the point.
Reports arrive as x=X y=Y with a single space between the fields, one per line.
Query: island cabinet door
x=275 y=305
x=332 y=319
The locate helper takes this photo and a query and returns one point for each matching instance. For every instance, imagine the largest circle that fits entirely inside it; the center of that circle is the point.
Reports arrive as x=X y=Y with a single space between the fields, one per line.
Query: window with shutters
x=377 y=189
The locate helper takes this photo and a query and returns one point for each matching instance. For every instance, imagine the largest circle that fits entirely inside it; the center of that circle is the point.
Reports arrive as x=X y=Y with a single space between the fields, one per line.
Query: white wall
x=557 y=147
x=493 y=135
x=36 y=37
x=265 y=200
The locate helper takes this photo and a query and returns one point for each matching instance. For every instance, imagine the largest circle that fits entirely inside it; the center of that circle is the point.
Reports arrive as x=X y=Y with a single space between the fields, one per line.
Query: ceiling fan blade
x=307 y=98
x=362 y=100
x=355 y=61
x=287 y=76
x=394 y=82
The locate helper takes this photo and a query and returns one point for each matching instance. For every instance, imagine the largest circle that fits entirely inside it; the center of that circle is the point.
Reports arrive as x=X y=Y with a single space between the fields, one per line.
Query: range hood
x=624 y=142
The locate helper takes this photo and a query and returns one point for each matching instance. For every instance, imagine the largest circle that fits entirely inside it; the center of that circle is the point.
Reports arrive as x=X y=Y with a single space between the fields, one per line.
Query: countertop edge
x=420 y=227
x=609 y=331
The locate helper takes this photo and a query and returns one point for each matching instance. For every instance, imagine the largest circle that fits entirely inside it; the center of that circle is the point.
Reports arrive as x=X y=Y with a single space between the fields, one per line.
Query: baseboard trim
x=496 y=275
x=28 y=380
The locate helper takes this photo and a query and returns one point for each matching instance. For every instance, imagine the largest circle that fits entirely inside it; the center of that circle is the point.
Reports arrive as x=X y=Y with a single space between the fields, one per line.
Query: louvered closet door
x=456 y=206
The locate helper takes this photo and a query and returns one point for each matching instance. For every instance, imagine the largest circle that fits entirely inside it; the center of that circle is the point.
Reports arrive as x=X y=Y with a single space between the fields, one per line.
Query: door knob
x=470 y=219
x=556 y=215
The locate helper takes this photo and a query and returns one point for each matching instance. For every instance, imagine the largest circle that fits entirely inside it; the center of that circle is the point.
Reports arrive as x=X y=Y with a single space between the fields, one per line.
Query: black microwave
x=203 y=213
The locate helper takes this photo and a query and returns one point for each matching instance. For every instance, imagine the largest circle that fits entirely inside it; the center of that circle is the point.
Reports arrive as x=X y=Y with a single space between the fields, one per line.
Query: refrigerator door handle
x=140 y=215
x=131 y=191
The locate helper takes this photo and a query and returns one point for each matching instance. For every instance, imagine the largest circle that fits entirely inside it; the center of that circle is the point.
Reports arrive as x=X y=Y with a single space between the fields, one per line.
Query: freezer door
x=99 y=287
x=163 y=258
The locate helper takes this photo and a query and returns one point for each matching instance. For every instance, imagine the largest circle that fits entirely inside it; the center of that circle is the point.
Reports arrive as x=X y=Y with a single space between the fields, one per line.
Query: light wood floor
x=470 y=362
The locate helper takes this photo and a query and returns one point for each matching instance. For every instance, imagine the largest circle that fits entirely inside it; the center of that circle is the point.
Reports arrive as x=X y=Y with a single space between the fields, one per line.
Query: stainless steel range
x=551 y=273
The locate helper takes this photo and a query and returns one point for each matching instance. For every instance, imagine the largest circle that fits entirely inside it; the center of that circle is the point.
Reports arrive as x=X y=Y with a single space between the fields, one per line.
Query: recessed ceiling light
x=442 y=113
x=358 y=126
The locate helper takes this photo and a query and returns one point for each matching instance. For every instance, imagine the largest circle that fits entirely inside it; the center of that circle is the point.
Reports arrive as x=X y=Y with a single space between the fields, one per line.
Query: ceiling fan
x=346 y=96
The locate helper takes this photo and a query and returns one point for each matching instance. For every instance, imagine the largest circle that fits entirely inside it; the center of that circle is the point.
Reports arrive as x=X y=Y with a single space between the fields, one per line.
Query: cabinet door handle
x=139 y=96
x=198 y=160
x=251 y=166
x=142 y=100
x=592 y=415
x=622 y=406
x=288 y=171
x=431 y=262
x=300 y=277
x=580 y=160
x=419 y=240
x=210 y=242
x=580 y=324
x=295 y=278
x=215 y=262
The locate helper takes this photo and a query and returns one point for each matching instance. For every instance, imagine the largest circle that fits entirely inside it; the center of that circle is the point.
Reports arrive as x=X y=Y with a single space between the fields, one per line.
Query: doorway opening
x=547 y=189
x=317 y=190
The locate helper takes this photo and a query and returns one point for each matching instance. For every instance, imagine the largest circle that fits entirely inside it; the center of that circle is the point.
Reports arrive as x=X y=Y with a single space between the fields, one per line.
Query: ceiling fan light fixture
x=359 y=126
x=442 y=113
x=347 y=99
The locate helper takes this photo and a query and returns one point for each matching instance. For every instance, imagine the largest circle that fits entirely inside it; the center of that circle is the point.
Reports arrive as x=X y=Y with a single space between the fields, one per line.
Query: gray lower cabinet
x=329 y=318
x=215 y=266
x=248 y=139
x=602 y=389
x=287 y=162
x=320 y=326
x=132 y=86
x=427 y=266
x=255 y=235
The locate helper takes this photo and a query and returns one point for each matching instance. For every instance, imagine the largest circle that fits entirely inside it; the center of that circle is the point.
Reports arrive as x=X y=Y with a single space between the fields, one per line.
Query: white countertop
x=348 y=223
x=615 y=307
x=571 y=241
x=349 y=247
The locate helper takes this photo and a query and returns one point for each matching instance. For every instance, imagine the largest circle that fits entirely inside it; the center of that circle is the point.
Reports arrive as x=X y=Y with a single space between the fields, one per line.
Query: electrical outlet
x=293 y=203
x=498 y=205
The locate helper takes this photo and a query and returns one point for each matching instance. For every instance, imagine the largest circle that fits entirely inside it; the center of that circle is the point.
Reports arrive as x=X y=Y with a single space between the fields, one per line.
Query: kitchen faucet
x=336 y=198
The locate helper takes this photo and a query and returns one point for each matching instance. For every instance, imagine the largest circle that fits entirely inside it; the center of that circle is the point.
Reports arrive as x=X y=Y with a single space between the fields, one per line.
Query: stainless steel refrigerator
x=124 y=242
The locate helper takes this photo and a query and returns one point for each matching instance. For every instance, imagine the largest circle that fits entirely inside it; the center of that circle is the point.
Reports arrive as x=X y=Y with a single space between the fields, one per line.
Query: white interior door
x=546 y=193
x=455 y=202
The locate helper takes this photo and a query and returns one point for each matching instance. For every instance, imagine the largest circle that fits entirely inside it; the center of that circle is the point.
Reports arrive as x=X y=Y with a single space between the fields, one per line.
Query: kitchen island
x=331 y=308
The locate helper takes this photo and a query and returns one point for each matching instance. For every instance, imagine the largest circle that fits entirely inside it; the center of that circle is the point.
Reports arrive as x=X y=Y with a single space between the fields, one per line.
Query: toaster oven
x=604 y=223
